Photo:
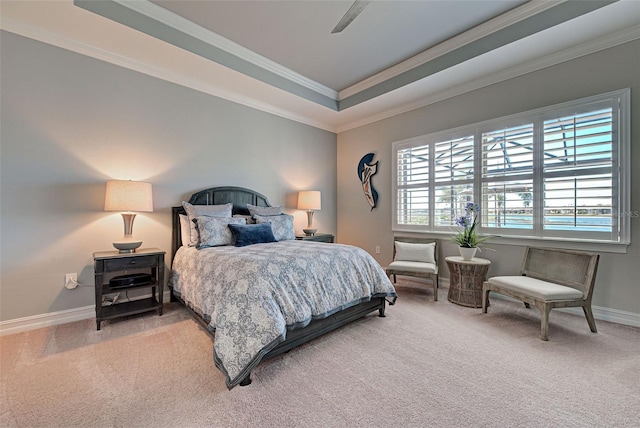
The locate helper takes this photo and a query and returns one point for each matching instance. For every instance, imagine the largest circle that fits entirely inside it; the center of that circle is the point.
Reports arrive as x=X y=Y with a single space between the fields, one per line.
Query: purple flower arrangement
x=468 y=238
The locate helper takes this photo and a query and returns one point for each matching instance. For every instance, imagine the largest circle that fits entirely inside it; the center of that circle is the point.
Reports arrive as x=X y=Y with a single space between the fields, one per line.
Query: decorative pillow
x=249 y=234
x=214 y=231
x=255 y=210
x=185 y=230
x=282 y=225
x=410 y=252
x=194 y=211
x=248 y=218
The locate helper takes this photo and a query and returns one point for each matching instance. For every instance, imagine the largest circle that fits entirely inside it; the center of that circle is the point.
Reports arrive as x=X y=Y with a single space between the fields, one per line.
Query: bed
x=261 y=300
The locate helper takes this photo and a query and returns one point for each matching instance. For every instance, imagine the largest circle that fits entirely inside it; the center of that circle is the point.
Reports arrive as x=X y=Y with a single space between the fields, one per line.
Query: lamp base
x=309 y=232
x=127 y=246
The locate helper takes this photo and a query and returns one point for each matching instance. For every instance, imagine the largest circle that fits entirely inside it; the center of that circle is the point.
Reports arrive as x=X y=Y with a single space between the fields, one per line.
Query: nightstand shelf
x=106 y=289
x=318 y=237
x=129 y=308
x=109 y=264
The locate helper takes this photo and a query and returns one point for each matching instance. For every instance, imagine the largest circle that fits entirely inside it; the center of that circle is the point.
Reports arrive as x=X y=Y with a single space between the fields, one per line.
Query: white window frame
x=621 y=176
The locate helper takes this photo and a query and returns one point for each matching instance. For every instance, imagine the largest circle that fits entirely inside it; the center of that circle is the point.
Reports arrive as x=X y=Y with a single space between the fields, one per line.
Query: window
x=560 y=172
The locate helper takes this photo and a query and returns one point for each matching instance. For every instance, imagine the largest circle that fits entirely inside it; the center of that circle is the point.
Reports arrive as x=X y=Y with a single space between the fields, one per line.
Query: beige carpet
x=427 y=364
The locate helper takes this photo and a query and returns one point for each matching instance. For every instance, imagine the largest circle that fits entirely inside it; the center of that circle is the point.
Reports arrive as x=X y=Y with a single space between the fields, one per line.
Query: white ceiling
x=281 y=58
x=297 y=34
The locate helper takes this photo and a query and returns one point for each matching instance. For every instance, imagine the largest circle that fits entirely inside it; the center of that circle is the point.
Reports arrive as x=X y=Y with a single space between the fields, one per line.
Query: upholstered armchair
x=415 y=257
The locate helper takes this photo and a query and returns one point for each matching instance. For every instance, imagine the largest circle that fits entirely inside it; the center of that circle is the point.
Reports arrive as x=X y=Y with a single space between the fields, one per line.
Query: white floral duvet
x=252 y=295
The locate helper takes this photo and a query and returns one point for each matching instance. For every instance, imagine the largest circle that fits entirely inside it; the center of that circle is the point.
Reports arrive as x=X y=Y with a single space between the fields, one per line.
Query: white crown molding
x=54 y=39
x=179 y=23
x=498 y=23
x=316 y=117
x=614 y=39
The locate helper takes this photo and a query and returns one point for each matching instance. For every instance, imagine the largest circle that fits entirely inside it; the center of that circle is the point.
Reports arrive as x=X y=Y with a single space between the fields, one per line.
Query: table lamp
x=309 y=200
x=128 y=196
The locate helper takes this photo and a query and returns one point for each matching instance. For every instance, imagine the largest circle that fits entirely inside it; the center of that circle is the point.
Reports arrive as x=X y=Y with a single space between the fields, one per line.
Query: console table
x=465 y=280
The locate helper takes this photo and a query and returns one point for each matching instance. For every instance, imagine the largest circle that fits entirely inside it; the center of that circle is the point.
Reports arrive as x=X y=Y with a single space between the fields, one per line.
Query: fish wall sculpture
x=366 y=170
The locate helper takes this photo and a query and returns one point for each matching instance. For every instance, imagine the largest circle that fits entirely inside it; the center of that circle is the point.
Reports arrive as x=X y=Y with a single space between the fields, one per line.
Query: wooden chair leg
x=590 y=319
x=394 y=278
x=544 y=319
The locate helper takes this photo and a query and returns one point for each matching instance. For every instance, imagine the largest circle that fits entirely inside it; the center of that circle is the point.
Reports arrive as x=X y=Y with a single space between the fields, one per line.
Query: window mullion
x=538 y=167
x=477 y=175
x=432 y=183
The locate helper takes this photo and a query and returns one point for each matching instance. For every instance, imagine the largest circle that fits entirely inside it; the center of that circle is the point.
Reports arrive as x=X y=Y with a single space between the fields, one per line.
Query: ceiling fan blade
x=355 y=9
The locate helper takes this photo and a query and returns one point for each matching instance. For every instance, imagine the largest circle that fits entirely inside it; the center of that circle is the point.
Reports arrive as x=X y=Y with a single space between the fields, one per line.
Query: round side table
x=465 y=280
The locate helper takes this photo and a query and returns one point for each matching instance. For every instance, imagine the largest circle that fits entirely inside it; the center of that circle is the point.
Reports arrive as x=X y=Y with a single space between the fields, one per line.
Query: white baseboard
x=45 y=320
x=608 y=314
x=87 y=312
x=599 y=312
x=55 y=318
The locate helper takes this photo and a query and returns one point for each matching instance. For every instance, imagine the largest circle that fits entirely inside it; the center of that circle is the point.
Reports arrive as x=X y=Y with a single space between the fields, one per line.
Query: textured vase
x=467 y=253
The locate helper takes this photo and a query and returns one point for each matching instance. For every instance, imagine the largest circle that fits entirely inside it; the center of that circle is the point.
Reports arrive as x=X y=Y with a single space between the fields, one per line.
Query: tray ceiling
x=280 y=56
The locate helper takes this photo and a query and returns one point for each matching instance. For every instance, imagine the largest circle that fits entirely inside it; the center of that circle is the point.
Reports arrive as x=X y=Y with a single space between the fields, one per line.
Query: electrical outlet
x=377 y=249
x=71 y=280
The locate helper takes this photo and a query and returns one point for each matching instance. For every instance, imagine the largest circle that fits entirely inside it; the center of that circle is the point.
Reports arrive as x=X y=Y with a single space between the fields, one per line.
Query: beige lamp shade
x=125 y=195
x=309 y=200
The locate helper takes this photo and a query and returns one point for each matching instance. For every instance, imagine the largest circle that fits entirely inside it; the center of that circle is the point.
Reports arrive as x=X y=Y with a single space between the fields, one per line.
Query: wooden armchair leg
x=435 y=288
x=590 y=319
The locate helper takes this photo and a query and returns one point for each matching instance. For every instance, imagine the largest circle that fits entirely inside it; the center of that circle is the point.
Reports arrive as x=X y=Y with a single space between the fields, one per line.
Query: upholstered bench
x=549 y=278
x=415 y=257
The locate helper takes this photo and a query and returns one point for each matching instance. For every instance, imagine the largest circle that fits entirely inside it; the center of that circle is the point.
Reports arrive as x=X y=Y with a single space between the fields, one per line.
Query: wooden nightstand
x=108 y=264
x=318 y=237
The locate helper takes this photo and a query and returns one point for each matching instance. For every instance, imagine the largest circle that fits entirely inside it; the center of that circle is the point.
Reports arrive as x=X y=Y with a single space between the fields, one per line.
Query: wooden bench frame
x=573 y=269
x=432 y=276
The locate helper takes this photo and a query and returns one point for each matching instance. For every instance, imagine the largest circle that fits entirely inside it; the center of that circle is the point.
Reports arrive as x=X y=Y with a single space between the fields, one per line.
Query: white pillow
x=255 y=210
x=410 y=252
x=185 y=230
x=214 y=231
x=194 y=211
x=282 y=226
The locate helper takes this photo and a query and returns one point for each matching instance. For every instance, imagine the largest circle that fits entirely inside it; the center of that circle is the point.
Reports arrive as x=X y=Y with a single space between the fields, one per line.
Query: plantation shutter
x=578 y=176
x=507 y=178
x=556 y=172
x=412 y=197
x=453 y=182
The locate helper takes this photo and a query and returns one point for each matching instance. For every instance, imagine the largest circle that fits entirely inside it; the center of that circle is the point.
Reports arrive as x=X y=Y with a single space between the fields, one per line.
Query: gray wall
x=69 y=123
x=617 y=284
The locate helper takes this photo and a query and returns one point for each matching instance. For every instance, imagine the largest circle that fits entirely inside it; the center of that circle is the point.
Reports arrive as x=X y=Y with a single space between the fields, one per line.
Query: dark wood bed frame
x=240 y=197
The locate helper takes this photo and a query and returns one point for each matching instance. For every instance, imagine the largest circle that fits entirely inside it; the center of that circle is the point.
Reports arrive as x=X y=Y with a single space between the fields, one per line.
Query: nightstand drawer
x=130 y=263
x=318 y=237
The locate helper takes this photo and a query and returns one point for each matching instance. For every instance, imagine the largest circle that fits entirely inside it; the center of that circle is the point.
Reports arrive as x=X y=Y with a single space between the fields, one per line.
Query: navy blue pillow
x=248 y=234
